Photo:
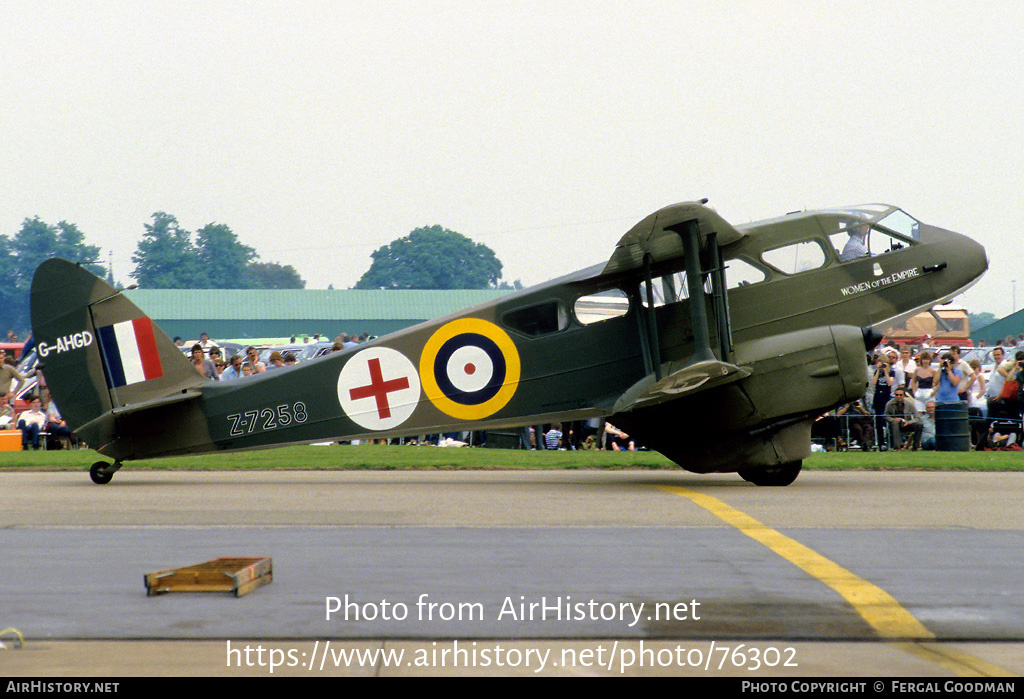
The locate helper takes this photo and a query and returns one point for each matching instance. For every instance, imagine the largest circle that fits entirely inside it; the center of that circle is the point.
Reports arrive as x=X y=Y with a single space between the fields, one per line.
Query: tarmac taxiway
x=858 y=573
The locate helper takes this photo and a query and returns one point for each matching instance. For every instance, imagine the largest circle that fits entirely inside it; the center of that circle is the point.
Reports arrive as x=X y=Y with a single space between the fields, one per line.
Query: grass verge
x=384 y=458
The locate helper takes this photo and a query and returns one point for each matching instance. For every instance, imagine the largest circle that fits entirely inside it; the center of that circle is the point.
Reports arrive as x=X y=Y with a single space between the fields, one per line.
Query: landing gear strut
x=780 y=475
x=101 y=472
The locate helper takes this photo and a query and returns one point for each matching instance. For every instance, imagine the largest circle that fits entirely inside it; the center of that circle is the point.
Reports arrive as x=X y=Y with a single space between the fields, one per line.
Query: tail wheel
x=101 y=472
x=780 y=475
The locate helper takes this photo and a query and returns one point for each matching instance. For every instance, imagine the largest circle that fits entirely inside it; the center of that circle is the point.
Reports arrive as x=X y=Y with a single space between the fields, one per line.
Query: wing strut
x=689 y=232
x=652 y=322
x=721 y=302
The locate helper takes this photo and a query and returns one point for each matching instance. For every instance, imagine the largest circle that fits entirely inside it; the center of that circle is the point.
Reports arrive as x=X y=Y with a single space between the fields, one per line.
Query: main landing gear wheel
x=101 y=472
x=780 y=475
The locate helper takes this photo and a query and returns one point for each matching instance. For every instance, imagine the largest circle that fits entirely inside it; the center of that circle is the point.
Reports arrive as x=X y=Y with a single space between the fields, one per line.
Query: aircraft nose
x=966 y=261
x=974 y=260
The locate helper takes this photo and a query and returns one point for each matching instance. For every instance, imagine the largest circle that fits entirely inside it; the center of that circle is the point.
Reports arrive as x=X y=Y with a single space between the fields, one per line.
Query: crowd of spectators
x=40 y=425
x=898 y=410
x=209 y=360
x=594 y=433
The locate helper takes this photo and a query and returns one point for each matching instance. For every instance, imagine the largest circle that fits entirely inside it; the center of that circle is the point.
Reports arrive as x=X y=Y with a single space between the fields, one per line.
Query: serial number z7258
x=265 y=419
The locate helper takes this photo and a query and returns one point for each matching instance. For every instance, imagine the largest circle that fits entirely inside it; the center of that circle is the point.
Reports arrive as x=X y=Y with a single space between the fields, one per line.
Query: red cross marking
x=379 y=389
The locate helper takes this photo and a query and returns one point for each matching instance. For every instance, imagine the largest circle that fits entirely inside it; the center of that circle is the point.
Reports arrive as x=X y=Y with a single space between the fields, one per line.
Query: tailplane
x=99 y=353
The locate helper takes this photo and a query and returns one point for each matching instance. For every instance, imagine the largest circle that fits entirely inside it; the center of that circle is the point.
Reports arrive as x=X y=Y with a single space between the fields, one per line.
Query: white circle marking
x=378 y=388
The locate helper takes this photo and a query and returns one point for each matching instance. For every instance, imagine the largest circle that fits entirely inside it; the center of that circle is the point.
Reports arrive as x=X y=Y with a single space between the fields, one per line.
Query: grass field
x=384 y=458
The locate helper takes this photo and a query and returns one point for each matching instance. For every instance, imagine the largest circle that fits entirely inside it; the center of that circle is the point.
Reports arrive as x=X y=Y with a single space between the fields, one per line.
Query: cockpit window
x=863 y=240
x=901 y=223
x=878 y=216
x=798 y=257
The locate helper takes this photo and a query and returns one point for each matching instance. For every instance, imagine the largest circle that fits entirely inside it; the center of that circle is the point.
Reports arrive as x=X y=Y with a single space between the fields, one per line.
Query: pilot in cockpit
x=857 y=245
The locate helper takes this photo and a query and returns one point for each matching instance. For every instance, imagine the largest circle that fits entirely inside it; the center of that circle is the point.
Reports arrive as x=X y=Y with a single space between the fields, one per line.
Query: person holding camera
x=965 y=372
x=858 y=423
x=882 y=380
x=949 y=380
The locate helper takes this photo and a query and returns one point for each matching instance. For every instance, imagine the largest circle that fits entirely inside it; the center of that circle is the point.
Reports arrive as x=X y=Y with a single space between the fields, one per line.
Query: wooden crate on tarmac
x=236 y=575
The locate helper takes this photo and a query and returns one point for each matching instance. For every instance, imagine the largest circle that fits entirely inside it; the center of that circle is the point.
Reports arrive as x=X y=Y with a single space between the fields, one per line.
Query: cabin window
x=672 y=287
x=739 y=272
x=798 y=257
x=594 y=308
x=541 y=319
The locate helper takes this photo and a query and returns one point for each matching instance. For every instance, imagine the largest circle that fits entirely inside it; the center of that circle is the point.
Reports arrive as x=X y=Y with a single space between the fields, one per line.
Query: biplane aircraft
x=717 y=345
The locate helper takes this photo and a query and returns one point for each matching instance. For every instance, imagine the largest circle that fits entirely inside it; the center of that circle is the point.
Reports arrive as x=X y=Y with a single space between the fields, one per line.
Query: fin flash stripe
x=129 y=352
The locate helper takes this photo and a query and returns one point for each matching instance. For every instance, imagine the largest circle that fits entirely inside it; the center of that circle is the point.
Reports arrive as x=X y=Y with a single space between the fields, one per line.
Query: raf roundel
x=469 y=368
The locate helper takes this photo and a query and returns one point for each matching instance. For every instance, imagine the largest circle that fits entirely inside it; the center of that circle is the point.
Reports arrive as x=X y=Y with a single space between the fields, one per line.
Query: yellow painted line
x=876 y=606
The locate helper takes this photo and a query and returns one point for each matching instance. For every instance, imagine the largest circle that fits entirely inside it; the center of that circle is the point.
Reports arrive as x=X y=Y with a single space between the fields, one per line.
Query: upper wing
x=652 y=235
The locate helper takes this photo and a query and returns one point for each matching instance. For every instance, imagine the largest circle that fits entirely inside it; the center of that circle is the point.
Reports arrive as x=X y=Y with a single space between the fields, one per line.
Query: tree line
x=170 y=257
x=432 y=257
x=20 y=255
x=166 y=257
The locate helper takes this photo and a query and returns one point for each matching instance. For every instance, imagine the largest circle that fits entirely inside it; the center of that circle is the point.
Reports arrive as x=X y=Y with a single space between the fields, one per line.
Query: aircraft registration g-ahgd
x=717 y=345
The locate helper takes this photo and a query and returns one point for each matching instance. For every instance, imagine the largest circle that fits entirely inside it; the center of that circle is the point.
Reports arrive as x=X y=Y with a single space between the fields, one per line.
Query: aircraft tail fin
x=99 y=352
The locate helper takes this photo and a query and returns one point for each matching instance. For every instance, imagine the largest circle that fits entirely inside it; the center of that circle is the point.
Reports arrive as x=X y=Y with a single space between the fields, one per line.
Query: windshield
x=899 y=222
x=885 y=216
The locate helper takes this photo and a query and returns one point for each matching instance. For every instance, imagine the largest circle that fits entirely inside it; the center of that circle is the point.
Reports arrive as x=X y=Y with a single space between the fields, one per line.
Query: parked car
x=226 y=349
x=303 y=352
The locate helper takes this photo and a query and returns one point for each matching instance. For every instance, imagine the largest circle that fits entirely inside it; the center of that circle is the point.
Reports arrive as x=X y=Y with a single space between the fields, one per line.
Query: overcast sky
x=320 y=131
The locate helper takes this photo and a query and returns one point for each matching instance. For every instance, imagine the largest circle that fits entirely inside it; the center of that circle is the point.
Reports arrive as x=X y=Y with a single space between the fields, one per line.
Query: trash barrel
x=502 y=439
x=952 y=427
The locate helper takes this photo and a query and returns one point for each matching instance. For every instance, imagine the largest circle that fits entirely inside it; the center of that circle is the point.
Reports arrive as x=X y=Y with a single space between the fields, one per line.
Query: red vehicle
x=12 y=348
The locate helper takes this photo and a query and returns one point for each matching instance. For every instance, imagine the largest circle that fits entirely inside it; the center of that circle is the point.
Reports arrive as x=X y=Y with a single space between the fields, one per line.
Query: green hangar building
x=1012 y=324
